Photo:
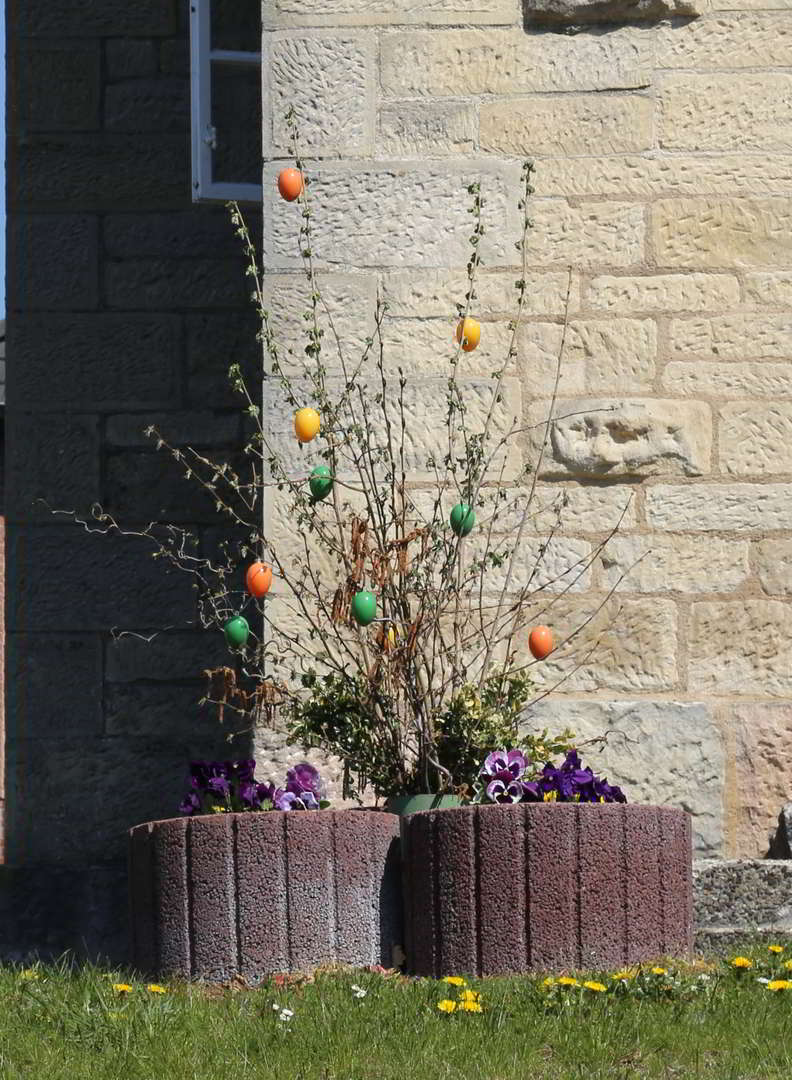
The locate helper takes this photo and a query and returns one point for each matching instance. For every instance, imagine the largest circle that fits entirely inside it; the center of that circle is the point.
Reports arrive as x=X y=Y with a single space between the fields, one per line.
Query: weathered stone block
x=584 y=509
x=60 y=86
x=374 y=12
x=142 y=710
x=100 y=171
x=575 y=12
x=723 y=232
x=93 y=361
x=426 y=347
x=667 y=753
x=55 y=260
x=463 y=62
x=426 y=129
x=396 y=217
x=625 y=645
x=722 y=112
x=599 y=356
x=773 y=562
x=154 y=486
x=205 y=429
x=730 y=380
x=733 y=337
x=40 y=705
x=39 y=18
x=130 y=58
x=687 y=564
x=673 y=176
x=569 y=124
x=328 y=79
x=756 y=440
x=590 y=234
x=435 y=293
x=164 y=284
x=145 y=593
x=348 y=304
x=773 y=290
x=168 y=656
x=174 y=56
x=741 y=647
x=663 y=293
x=190 y=234
x=646 y=437
x=554 y=564
x=148 y=105
x=735 y=39
x=763 y=762
x=55 y=459
x=214 y=342
x=716 y=507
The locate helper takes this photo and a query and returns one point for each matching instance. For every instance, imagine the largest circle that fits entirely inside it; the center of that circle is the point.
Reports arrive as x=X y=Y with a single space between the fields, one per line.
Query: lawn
x=711 y=1018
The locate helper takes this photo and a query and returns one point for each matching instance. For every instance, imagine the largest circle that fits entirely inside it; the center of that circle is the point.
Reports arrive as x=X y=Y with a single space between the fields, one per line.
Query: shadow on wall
x=603 y=16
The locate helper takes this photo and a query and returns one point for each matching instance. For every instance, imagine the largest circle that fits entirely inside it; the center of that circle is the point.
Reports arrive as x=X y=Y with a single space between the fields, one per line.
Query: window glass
x=236 y=118
x=236 y=24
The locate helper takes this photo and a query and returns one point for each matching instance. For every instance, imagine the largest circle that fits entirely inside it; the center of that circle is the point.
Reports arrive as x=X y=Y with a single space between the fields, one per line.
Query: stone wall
x=664 y=180
x=126 y=304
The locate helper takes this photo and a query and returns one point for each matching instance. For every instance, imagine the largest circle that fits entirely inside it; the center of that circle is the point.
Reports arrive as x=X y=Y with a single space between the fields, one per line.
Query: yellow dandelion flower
x=549 y=982
x=470 y=1006
x=775 y=948
x=155 y=988
x=122 y=988
x=447 y=1006
x=454 y=980
x=659 y=971
x=779 y=984
x=787 y=964
x=741 y=962
x=623 y=975
x=29 y=973
x=567 y=980
x=469 y=995
x=594 y=985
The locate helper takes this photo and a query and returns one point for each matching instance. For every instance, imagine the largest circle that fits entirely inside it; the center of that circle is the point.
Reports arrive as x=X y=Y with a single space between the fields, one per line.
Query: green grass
x=66 y=1020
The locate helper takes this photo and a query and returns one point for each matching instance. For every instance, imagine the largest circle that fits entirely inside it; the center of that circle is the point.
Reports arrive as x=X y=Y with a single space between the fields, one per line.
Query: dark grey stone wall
x=126 y=304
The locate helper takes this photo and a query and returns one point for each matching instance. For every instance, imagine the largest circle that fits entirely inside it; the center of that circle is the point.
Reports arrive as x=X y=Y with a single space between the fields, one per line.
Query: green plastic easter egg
x=321 y=482
x=236 y=631
x=364 y=607
x=463 y=519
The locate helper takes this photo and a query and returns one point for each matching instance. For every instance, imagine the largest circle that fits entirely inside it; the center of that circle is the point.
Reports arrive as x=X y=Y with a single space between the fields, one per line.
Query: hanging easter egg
x=306 y=424
x=469 y=333
x=290 y=184
x=391 y=637
x=540 y=641
x=364 y=607
x=258 y=579
x=321 y=482
x=463 y=518
x=236 y=631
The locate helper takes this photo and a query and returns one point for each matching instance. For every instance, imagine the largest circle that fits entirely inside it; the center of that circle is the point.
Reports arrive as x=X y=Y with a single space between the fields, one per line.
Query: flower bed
x=494 y=890
x=217 y=895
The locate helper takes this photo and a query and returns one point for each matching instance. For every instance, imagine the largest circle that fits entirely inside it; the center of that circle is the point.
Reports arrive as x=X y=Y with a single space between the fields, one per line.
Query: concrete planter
x=490 y=890
x=250 y=894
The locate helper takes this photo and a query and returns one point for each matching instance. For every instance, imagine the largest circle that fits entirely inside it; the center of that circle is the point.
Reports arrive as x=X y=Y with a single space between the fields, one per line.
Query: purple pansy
x=502 y=779
x=233 y=784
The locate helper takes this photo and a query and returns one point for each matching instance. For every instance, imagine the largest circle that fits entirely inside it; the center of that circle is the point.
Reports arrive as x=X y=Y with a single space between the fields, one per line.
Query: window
x=225 y=90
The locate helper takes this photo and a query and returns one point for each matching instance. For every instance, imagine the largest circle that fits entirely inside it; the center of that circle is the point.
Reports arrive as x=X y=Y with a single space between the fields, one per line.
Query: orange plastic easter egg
x=290 y=184
x=258 y=579
x=469 y=333
x=306 y=424
x=540 y=641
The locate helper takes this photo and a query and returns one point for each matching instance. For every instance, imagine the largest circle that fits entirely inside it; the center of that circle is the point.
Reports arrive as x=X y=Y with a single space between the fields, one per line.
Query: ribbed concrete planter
x=256 y=893
x=495 y=889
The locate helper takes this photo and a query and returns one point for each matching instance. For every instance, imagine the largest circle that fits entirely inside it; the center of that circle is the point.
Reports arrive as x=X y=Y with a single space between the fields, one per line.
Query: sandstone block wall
x=663 y=149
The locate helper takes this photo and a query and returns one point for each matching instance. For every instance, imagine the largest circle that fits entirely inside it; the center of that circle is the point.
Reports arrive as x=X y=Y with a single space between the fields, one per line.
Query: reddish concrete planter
x=250 y=894
x=495 y=889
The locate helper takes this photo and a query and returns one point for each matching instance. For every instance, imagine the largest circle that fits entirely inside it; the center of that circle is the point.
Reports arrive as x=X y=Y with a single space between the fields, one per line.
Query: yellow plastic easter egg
x=469 y=333
x=306 y=424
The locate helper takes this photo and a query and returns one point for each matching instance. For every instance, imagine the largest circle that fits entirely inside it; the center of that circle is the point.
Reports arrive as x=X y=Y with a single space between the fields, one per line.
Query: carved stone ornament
x=577 y=12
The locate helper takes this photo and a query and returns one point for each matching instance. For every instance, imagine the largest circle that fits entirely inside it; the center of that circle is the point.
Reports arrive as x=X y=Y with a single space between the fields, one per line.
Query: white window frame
x=203 y=136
